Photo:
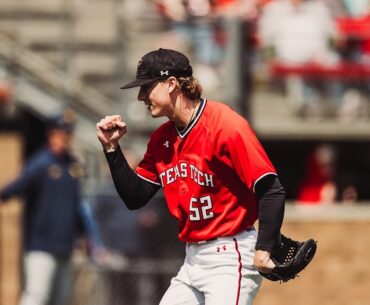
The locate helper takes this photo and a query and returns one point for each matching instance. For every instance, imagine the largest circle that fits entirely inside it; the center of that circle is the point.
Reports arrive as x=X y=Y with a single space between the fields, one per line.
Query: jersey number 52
x=200 y=208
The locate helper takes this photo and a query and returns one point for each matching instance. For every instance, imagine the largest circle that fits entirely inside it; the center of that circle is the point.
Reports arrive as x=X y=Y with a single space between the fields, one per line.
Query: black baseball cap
x=160 y=64
x=61 y=121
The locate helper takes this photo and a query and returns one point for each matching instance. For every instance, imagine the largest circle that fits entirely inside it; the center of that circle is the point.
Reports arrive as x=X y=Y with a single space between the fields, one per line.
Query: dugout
x=352 y=162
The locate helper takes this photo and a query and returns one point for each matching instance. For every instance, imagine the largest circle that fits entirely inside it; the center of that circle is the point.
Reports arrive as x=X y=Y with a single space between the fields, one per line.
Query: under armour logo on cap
x=164 y=73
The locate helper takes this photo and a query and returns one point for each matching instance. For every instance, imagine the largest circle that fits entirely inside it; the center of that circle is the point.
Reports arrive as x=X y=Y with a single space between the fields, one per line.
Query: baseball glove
x=290 y=258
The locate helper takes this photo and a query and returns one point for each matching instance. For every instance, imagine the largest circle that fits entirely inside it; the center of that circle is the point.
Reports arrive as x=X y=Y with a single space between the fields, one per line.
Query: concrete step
x=83 y=63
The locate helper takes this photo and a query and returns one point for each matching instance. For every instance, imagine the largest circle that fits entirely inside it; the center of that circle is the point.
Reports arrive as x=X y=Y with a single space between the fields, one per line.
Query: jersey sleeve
x=27 y=181
x=246 y=152
x=147 y=169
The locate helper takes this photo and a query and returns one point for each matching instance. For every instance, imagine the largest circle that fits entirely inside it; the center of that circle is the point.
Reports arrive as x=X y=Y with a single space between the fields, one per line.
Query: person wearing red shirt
x=216 y=177
x=319 y=184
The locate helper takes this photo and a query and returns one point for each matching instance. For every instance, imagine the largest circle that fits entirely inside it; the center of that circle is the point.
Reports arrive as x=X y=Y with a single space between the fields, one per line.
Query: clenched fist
x=109 y=130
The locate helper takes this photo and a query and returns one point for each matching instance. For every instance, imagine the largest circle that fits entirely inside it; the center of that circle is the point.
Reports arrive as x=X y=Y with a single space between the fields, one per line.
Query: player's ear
x=171 y=84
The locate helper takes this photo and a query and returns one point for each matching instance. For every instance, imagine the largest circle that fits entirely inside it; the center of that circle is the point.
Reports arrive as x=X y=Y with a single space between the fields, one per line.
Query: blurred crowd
x=325 y=41
x=321 y=46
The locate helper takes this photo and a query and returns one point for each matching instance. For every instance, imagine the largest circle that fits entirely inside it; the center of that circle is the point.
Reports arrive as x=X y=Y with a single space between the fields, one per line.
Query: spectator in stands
x=300 y=32
x=194 y=28
x=318 y=185
x=193 y=21
x=49 y=184
x=324 y=182
x=199 y=26
x=336 y=7
x=358 y=7
x=354 y=26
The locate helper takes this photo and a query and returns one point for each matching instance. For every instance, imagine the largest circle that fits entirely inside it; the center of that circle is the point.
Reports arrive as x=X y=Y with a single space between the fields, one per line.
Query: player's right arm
x=133 y=190
x=109 y=130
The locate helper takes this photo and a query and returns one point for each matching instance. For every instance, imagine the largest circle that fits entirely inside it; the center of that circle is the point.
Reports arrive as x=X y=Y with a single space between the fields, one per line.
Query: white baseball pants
x=218 y=272
x=46 y=277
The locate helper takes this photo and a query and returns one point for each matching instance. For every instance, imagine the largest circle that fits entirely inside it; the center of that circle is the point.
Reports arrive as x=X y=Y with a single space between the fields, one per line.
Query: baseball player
x=216 y=177
x=50 y=186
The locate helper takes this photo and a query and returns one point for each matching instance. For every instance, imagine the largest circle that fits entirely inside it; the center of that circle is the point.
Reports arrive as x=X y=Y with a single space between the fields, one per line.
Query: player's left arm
x=257 y=172
x=271 y=197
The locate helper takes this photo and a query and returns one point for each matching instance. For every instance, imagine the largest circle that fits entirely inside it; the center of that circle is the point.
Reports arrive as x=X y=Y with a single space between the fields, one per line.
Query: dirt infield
x=339 y=273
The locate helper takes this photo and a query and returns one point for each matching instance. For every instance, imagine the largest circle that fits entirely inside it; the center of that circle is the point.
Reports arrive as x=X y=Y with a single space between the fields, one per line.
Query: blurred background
x=298 y=70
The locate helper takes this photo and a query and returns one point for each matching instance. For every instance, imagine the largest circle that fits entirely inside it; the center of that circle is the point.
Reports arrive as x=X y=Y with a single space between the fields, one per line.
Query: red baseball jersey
x=208 y=172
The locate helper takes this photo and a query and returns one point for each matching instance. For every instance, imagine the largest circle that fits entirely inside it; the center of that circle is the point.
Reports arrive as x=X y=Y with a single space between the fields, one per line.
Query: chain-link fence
x=132 y=254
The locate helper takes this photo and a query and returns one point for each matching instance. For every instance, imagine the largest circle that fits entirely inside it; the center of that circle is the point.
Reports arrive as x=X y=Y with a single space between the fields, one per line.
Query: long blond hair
x=190 y=87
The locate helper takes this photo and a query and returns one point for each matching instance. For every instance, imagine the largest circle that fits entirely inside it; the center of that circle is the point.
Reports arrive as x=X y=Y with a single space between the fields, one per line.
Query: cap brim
x=138 y=82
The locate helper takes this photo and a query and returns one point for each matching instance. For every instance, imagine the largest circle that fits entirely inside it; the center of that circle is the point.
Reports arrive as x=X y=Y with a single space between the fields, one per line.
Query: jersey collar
x=182 y=134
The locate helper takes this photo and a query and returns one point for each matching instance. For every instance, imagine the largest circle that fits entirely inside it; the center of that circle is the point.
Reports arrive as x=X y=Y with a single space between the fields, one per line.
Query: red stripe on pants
x=239 y=271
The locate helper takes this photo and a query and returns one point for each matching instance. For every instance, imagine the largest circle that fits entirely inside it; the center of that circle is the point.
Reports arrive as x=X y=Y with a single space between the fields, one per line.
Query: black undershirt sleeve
x=133 y=190
x=271 y=195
